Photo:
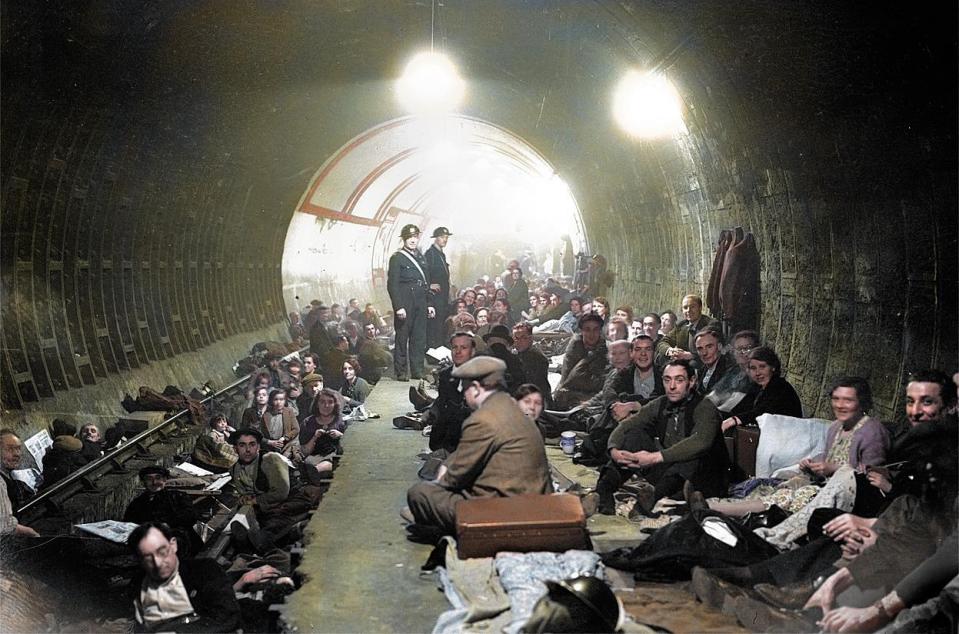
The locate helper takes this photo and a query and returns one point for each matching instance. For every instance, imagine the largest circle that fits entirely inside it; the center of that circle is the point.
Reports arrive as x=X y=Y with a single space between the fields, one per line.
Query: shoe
x=791 y=597
x=645 y=501
x=408 y=422
x=757 y=616
x=129 y=404
x=419 y=401
x=694 y=499
x=716 y=589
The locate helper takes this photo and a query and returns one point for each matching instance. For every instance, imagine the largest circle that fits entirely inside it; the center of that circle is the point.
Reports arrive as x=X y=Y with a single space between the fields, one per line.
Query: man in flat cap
x=438 y=273
x=500 y=453
x=408 y=285
x=160 y=504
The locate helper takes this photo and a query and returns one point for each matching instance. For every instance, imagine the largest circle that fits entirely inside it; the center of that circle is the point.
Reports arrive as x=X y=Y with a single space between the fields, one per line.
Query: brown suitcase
x=521 y=523
x=747 y=442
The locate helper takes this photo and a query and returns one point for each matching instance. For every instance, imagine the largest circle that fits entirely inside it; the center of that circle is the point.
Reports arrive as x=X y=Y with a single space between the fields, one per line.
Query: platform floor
x=363 y=574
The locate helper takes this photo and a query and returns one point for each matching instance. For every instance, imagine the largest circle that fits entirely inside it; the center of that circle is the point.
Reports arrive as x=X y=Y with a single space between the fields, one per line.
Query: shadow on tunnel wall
x=153 y=153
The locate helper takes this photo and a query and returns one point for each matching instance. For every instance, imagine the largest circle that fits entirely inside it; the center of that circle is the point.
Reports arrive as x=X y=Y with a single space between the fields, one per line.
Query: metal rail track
x=85 y=477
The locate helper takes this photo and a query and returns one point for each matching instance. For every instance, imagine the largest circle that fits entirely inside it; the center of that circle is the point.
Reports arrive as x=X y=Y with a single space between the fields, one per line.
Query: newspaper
x=442 y=353
x=37 y=445
x=192 y=469
x=219 y=483
x=110 y=530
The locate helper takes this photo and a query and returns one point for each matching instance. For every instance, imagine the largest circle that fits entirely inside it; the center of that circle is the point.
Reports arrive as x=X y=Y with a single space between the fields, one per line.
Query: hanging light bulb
x=430 y=84
x=648 y=106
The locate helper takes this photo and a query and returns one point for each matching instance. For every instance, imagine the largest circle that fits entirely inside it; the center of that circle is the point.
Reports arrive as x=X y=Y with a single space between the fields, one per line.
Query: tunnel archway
x=491 y=187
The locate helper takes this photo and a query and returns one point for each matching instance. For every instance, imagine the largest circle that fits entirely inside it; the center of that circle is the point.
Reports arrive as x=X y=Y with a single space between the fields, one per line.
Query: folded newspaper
x=111 y=530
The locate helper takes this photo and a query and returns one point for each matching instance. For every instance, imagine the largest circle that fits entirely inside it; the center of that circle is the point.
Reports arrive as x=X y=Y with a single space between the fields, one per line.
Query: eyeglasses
x=743 y=351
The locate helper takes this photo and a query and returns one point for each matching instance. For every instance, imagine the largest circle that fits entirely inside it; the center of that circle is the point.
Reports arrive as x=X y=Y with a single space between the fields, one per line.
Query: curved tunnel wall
x=152 y=156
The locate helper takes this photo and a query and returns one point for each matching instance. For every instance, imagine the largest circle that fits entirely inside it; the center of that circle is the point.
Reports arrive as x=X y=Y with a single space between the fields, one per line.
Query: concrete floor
x=363 y=575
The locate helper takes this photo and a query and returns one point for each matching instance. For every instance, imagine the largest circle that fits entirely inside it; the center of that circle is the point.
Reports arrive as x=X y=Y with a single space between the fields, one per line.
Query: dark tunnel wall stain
x=152 y=156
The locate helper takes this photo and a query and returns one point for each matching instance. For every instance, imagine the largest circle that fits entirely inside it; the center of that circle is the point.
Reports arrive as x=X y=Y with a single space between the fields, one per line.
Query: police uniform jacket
x=405 y=282
x=438 y=271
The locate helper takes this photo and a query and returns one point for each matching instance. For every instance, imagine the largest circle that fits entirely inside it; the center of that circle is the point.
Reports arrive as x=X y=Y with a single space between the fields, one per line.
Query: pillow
x=784 y=441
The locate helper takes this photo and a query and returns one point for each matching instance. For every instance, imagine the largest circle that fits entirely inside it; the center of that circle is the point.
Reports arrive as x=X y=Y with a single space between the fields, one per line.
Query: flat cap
x=500 y=331
x=480 y=367
x=154 y=469
x=441 y=231
x=311 y=378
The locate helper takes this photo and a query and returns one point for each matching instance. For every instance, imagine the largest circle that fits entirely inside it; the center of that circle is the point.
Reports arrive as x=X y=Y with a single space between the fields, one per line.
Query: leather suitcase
x=747 y=442
x=521 y=523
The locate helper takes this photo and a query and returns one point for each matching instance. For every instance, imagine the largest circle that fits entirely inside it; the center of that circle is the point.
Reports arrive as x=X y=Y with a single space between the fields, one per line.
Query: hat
x=409 y=231
x=481 y=367
x=500 y=331
x=154 y=469
x=441 y=231
x=311 y=378
x=603 y=606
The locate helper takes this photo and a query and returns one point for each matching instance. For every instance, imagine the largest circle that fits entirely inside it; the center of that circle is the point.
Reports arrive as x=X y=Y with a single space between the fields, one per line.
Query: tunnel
x=157 y=158
x=177 y=177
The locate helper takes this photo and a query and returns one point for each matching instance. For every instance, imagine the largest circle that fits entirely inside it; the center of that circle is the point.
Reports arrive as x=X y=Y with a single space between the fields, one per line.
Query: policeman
x=408 y=286
x=438 y=271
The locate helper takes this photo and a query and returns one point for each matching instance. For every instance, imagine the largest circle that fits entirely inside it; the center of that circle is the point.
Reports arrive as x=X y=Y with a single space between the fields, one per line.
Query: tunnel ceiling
x=153 y=154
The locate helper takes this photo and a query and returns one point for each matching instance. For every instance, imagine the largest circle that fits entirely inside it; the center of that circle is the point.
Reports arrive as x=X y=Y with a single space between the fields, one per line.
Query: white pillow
x=784 y=441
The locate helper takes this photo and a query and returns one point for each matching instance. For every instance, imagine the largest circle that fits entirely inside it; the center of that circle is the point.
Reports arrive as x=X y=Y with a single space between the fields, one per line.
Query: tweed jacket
x=500 y=453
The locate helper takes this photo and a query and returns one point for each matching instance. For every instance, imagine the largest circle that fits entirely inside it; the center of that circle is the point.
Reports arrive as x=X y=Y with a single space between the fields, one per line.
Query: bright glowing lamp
x=430 y=84
x=648 y=106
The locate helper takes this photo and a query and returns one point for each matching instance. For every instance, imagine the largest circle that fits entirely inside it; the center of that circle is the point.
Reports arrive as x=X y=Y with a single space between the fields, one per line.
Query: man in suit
x=500 y=453
x=713 y=365
x=438 y=273
x=160 y=504
x=497 y=340
x=178 y=596
x=408 y=286
x=535 y=363
x=679 y=343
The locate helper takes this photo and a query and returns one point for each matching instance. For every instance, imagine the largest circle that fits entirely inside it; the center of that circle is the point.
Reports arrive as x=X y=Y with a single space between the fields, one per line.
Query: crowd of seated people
x=280 y=452
x=655 y=400
x=865 y=526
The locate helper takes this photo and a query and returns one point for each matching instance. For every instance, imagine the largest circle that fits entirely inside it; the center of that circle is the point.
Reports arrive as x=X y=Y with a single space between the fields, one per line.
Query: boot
x=720 y=587
x=694 y=499
x=645 y=502
x=790 y=597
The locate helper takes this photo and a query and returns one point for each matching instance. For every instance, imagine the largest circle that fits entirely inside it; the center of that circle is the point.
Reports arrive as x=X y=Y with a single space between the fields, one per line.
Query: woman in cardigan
x=776 y=395
x=355 y=390
x=279 y=426
x=321 y=433
x=854 y=442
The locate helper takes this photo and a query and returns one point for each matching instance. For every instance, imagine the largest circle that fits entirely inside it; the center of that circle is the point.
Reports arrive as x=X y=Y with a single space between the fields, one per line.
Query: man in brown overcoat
x=500 y=453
